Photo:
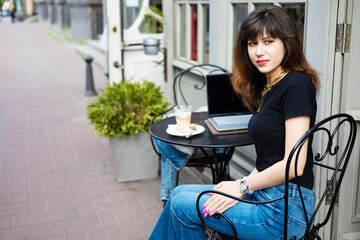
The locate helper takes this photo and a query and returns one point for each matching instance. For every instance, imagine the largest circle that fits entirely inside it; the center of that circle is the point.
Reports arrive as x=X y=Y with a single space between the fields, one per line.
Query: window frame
x=200 y=30
x=251 y=6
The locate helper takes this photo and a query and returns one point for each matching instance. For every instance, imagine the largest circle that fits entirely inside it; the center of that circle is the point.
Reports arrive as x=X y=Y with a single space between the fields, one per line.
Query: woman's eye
x=269 y=41
x=251 y=43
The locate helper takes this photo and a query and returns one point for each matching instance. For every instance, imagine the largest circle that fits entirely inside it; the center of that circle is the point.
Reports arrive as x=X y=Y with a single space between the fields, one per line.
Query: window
x=241 y=10
x=192 y=31
x=297 y=11
x=155 y=4
x=131 y=9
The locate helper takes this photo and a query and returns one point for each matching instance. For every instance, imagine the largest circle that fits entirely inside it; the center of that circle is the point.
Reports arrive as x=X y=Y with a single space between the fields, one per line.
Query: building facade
x=203 y=31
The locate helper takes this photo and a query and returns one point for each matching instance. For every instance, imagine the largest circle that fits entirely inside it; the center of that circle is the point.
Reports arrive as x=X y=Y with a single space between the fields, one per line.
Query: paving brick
x=20 y=197
x=96 y=235
x=60 y=237
x=78 y=236
x=126 y=232
x=6 y=198
x=82 y=224
x=110 y=221
x=6 y=222
x=43 y=194
x=71 y=213
x=143 y=217
x=20 y=221
x=15 y=188
x=56 y=228
x=22 y=234
x=13 y=209
x=87 y=211
x=8 y=179
x=50 y=217
x=39 y=231
x=146 y=229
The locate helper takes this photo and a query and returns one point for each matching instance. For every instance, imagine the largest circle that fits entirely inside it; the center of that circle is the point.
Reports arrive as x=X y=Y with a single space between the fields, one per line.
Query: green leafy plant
x=126 y=109
x=153 y=20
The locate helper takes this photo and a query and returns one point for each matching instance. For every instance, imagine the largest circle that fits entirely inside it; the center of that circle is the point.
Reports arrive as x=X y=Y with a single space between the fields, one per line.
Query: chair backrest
x=338 y=133
x=201 y=70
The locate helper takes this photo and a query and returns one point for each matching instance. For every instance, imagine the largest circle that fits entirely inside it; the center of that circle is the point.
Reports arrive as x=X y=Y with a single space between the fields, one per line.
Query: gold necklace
x=268 y=87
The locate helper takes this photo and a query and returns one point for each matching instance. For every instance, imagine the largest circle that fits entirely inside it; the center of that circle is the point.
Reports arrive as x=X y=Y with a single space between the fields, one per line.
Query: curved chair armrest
x=161 y=114
x=218 y=215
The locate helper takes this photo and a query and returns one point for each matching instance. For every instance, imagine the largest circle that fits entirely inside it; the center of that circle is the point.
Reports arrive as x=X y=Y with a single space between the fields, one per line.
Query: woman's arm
x=295 y=128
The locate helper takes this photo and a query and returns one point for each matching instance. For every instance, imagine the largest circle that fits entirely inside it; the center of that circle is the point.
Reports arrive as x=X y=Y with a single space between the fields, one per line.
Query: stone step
x=96 y=44
x=99 y=57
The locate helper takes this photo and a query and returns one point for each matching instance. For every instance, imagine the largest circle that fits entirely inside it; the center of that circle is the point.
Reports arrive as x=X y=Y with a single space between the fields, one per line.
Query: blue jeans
x=172 y=160
x=179 y=219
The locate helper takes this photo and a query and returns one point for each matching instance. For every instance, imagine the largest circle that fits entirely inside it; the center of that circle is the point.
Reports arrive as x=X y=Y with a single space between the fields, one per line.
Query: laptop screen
x=221 y=98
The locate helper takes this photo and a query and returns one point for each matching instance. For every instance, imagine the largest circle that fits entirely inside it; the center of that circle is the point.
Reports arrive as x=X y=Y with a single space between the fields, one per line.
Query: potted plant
x=123 y=113
x=153 y=23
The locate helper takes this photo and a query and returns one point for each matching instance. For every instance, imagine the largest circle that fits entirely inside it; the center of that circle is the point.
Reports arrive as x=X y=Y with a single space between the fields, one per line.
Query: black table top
x=205 y=139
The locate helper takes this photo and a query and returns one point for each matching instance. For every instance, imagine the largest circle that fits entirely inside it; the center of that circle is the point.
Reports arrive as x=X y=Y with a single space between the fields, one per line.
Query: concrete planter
x=134 y=159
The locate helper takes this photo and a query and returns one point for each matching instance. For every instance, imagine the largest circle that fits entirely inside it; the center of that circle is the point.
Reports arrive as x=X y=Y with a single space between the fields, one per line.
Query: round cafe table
x=218 y=162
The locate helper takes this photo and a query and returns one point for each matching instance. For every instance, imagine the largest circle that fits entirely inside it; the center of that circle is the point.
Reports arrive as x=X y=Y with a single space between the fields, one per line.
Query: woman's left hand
x=218 y=203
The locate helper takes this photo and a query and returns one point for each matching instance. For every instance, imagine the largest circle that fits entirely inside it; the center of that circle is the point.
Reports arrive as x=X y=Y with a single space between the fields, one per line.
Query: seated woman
x=274 y=79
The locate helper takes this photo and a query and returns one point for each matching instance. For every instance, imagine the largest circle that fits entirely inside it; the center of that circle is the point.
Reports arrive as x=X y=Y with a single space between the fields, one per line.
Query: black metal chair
x=202 y=158
x=333 y=158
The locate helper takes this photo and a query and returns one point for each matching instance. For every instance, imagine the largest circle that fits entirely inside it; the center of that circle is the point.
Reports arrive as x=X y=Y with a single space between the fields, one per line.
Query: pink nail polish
x=204 y=211
x=204 y=207
x=207 y=211
x=215 y=211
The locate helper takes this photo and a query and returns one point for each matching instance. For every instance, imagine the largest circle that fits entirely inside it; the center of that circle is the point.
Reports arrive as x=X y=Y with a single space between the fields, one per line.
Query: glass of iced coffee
x=183 y=117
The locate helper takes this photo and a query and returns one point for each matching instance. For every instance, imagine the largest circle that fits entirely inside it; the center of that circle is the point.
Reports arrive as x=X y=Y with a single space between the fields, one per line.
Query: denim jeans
x=179 y=219
x=172 y=160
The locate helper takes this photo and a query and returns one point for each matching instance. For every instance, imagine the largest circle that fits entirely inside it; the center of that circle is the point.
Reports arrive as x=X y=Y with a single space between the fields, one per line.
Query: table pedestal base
x=219 y=163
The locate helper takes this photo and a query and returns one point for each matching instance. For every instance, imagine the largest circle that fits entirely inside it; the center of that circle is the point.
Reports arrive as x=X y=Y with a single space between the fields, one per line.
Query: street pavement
x=56 y=178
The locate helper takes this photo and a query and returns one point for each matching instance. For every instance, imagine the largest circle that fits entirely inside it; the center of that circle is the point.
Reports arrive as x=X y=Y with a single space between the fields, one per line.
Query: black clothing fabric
x=293 y=96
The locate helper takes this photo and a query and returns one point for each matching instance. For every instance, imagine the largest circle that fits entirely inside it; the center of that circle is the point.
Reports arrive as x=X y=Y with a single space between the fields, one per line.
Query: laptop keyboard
x=232 y=119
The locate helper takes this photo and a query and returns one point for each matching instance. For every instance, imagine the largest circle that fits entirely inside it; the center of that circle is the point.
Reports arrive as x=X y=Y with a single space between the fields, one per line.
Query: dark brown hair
x=246 y=79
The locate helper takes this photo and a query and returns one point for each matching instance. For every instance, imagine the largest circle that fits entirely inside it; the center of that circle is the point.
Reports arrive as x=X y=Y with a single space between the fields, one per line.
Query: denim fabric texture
x=171 y=161
x=179 y=219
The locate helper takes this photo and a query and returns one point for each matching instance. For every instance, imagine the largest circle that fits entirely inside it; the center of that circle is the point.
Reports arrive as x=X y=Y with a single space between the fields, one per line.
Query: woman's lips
x=262 y=62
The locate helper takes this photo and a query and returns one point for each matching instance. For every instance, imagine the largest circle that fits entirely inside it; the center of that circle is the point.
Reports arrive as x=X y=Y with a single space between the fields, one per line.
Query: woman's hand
x=218 y=203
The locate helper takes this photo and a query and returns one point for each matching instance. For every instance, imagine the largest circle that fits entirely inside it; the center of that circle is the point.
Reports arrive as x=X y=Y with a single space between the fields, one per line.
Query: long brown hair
x=246 y=79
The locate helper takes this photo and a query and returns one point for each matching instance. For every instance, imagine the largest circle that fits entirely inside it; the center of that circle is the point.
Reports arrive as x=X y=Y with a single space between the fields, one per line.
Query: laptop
x=226 y=111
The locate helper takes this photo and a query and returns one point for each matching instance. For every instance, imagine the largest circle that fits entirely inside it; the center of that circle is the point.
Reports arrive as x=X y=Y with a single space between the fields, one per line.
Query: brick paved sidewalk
x=56 y=179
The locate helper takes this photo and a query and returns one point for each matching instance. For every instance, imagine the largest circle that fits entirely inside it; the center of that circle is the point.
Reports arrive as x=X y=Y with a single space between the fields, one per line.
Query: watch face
x=243 y=186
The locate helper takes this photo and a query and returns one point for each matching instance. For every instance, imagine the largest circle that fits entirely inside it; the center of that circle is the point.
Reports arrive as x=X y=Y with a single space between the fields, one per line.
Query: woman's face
x=266 y=54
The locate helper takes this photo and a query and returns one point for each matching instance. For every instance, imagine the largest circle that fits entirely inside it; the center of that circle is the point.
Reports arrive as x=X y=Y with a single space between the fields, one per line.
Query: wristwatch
x=244 y=186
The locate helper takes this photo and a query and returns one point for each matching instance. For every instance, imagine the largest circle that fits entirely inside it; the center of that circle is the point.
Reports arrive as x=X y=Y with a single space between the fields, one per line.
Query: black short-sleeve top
x=293 y=96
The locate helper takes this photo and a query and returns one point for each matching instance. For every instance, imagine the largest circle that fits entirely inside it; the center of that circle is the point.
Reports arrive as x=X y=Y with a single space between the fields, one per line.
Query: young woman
x=274 y=79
